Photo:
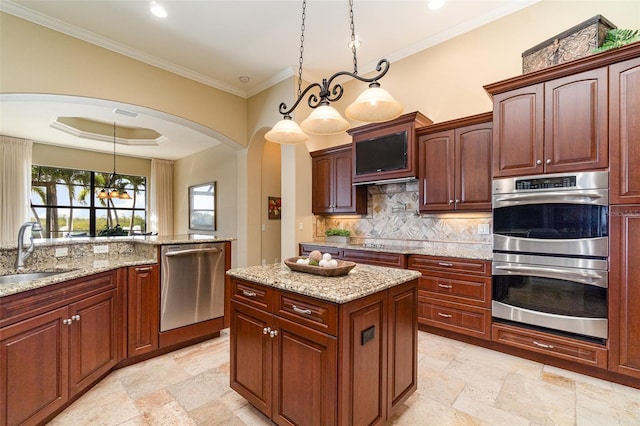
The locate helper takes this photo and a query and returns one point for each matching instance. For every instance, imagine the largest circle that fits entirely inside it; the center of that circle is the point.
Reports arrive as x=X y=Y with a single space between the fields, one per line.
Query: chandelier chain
x=353 y=38
x=304 y=15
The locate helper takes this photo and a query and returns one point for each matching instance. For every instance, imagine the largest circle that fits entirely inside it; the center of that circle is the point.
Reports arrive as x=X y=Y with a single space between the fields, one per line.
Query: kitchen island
x=315 y=350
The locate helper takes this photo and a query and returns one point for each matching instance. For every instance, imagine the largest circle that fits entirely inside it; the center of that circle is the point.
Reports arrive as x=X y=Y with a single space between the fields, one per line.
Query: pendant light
x=113 y=193
x=373 y=105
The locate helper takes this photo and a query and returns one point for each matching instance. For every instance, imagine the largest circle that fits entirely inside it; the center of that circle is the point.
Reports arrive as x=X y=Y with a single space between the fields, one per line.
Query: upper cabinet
x=624 y=132
x=556 y=126
x=454 y=163
x=386 y=151
x=331 y=189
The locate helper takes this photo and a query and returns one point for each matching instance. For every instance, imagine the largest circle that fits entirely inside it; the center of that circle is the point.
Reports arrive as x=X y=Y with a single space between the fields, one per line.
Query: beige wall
x=35 y=59
x=270 y=184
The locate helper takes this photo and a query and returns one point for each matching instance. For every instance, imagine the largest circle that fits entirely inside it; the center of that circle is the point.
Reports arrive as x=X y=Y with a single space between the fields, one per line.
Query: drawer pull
x=447 y=264
x=249 y=293
x=542 y=345
x=445 y=286
x=440 y=314
x=301 y=311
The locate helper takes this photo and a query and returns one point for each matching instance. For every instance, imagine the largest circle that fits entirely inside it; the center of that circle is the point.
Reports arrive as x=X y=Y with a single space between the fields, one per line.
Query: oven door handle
x=590 y=277
x=583 y=197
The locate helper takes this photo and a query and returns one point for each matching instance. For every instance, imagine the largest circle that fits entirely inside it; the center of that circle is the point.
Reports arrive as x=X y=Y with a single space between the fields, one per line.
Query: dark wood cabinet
x=624 y=290
x=332 y=192
x=454 y=163
x=454 y=294
x=304 y=361
x=143 y=309
x=369 y=257
x=624 y=132
x=559 y=125
x=55 y=342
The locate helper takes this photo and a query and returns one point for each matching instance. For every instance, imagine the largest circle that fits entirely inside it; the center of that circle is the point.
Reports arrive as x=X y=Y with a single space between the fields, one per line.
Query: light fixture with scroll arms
x=373 y=105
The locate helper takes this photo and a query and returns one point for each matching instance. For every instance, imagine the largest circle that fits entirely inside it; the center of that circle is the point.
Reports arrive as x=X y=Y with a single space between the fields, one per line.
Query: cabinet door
x=34 y=361
x=251 y=355
x=624 y=131
x=93 y=340
x=143 y=300
x=473 y=167
x=624 y=290
x=322 y=184
x=304 y=375
x=344 y=194
x=518 y=126
x=576 y=115
x=437 y=155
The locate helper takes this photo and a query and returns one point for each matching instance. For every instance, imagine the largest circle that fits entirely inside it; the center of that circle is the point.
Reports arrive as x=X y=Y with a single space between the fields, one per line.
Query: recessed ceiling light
x=158 y=10
x=435 y=4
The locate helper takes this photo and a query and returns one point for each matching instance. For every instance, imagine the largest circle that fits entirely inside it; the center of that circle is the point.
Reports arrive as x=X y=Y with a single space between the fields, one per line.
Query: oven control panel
x=546 y=182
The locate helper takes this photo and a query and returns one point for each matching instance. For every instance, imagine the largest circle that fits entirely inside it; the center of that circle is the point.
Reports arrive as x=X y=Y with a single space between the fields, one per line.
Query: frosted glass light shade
x=374 y=105
x=286 y=131
x=324 y=120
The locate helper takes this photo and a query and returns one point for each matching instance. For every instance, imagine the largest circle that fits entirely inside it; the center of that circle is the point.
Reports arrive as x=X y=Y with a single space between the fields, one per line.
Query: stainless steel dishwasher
x=192 y=284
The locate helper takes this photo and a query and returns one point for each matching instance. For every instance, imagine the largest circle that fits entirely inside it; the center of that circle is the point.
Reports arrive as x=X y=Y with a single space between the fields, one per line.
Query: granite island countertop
x=359 y=282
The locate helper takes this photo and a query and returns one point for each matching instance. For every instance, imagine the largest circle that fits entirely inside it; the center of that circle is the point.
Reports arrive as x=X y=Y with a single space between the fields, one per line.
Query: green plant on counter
x=618 y=37
x=338 y=232
x=116 y=231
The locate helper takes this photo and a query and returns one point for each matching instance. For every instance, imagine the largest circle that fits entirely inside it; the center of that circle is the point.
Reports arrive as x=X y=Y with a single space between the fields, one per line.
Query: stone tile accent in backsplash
x=393 y=218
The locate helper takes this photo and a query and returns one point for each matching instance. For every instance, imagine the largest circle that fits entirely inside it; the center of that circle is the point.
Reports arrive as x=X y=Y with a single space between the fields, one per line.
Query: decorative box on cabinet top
x=574 y=43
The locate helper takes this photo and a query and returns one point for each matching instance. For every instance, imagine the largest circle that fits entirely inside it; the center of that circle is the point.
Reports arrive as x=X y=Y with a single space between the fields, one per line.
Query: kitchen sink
x=29 y=276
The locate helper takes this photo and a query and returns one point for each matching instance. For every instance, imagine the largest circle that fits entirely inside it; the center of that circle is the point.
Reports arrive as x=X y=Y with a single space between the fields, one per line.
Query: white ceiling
x=215 y=42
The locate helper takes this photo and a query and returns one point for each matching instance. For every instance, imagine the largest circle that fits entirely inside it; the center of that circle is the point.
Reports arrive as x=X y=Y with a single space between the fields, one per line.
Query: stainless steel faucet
x=23 y=255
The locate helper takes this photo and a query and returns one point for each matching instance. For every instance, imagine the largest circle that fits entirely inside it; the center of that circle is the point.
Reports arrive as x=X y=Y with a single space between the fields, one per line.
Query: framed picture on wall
x=274 y=205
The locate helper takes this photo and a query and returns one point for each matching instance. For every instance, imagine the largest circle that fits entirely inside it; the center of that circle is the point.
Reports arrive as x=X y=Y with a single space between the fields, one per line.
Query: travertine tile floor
x=458 y=384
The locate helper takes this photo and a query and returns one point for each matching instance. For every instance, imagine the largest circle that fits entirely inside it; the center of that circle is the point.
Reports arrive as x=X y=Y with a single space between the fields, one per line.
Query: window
x=66 y=202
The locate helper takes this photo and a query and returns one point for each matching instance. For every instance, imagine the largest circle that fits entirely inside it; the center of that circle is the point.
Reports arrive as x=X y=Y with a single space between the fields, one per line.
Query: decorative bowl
x=343 y=268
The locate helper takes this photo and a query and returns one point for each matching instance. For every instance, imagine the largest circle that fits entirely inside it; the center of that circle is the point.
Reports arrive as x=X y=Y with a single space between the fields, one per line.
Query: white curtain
x=161 y=197
x=15 y=186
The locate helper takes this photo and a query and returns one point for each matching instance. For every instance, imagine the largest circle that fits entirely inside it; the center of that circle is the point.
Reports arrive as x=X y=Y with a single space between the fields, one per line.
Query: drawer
x=392 y=260
x=447 y=264
x=467 y=289
x=335 y=252
x=252 y=294
x=314 y=313
x=553 y=345
x=469 y=320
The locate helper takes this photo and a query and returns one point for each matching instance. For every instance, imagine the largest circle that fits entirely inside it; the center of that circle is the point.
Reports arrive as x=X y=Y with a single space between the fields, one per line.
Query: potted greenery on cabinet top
x=337 y=235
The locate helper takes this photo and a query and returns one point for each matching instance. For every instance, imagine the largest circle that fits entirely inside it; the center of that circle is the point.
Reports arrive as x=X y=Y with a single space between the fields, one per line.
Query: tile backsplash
x=393 y=219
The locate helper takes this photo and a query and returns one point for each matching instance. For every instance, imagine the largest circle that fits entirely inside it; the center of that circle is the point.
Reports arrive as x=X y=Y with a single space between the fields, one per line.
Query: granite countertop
x=359 y=282
x=462 y=250
x=143 y=239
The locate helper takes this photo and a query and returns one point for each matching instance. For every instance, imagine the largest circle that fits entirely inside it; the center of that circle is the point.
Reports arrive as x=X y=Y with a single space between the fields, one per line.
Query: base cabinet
x=54 y=343
x=143 y=309
x=303 y=361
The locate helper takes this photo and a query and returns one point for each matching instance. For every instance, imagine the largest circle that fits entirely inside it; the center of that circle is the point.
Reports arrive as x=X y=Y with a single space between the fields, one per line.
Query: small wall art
x=275 y=207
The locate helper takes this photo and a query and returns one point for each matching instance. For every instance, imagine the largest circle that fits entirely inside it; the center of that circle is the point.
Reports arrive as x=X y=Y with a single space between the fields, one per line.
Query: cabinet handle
x=301 y=311
x=539 y=162
x=144 y=269
x=447 y=264
x=445 y=286
x=542 y=345
x=266 y=330
x=440 y=314
x=249 y=293
x=548 y=160
x=75 y=317
x=450 y=201
x=273 y=333
x=457 y=201
x=67 y=321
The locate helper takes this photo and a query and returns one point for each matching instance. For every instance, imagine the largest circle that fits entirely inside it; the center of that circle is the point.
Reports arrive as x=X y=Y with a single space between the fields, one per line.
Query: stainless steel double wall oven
x=550 y=252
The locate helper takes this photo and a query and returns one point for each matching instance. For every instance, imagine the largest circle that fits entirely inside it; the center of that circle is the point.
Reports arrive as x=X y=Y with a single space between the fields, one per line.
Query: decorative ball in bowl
x=343 y=267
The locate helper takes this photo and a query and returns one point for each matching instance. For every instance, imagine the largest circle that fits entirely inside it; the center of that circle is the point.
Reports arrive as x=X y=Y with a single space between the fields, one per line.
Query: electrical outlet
x=101 y=249
x=264 y=227
x=483 y=229
x=300 y=226
x=100 y=263
x=62 y=251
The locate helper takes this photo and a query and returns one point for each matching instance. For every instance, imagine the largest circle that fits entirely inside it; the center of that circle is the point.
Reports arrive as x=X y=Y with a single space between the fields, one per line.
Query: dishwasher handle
x=193 y=251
